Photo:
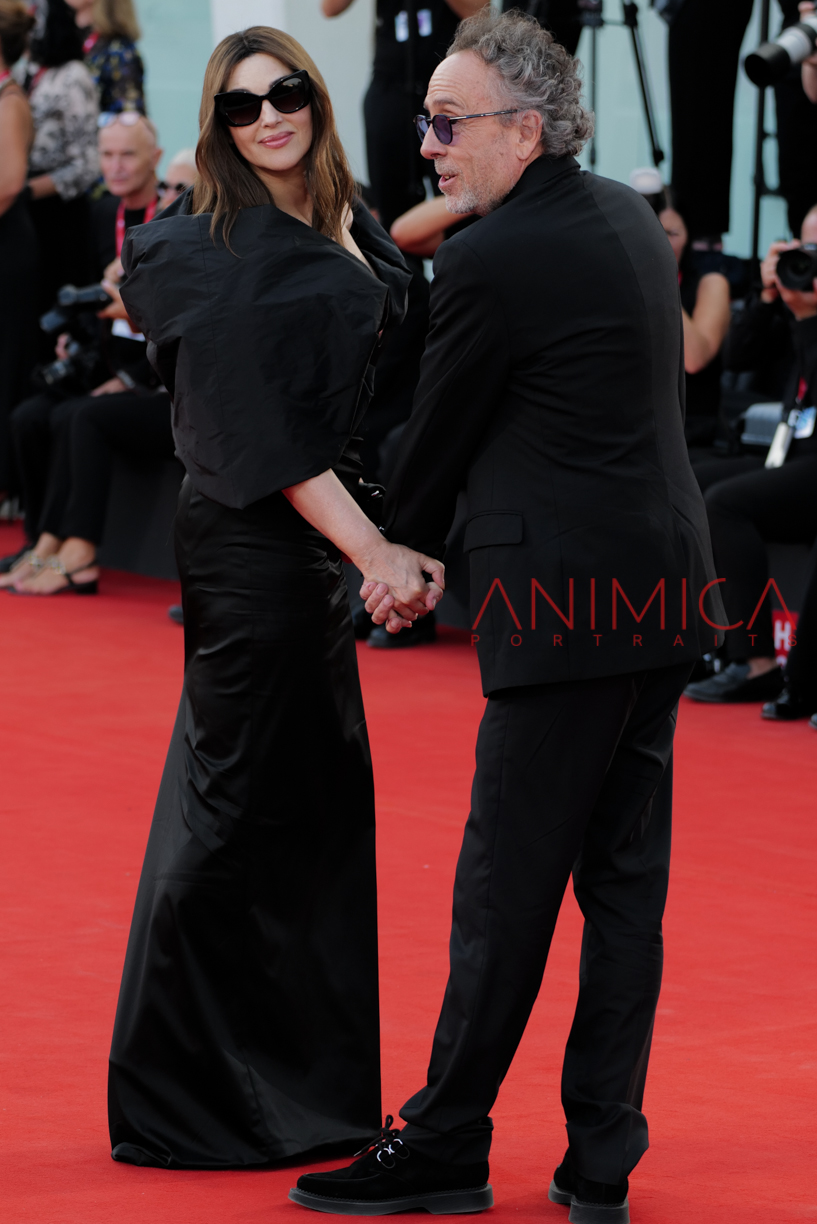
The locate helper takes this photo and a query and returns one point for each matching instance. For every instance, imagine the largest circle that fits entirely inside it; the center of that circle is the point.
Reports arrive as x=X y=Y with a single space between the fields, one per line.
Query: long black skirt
x=247 y=1028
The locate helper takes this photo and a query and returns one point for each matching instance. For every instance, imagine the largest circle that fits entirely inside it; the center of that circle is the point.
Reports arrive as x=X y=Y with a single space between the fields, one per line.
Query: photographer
x=750 y=505
x=64 y=441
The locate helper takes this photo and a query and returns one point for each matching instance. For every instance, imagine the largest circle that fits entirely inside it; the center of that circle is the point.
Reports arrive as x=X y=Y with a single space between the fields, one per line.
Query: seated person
x=749 y=506
x=64 y=443
x=799 y=696
x=706 y=315
x=180 y=174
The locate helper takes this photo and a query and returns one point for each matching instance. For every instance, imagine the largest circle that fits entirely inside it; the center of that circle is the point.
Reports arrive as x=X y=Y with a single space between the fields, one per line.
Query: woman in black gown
x=247 y=1025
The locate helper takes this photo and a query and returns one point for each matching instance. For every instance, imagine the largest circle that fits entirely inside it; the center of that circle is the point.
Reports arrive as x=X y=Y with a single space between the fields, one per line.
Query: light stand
x=592 y=17
x=761 y=187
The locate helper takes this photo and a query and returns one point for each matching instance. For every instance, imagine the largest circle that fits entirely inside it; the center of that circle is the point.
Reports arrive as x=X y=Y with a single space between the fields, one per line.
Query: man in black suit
x=552 y=391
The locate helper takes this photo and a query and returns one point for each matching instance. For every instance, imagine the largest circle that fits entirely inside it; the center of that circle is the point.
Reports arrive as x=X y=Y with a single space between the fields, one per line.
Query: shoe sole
x=589 y=1213
x=447 y=1202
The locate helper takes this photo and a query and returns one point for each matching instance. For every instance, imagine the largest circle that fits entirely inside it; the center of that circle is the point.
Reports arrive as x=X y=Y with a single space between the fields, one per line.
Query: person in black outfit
x=18 y=241
x=706 y=314
x=561 y=414
x=64 y=443
x=247 y=1028
x=749 y=505
x=798 y=698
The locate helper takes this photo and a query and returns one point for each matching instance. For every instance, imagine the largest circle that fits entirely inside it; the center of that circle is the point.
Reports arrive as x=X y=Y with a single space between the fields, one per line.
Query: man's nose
x=432 y=147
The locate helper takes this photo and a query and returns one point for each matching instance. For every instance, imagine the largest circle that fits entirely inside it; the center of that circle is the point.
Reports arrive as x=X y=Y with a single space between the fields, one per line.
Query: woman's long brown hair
x=227 y=182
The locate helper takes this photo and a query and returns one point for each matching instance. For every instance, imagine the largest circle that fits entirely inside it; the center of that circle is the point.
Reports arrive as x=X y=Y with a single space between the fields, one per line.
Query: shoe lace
x=387 y=1145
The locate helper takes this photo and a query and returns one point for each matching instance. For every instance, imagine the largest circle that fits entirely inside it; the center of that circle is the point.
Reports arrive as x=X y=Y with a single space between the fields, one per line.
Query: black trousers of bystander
x=570 y=777
x=749 y=506
x=65 y=451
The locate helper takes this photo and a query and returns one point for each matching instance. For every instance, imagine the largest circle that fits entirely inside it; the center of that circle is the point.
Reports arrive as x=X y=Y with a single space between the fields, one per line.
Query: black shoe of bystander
x=389 y=1176
x=733 y=684
x=176 y=614
x=590 y=1202
x=789 y=706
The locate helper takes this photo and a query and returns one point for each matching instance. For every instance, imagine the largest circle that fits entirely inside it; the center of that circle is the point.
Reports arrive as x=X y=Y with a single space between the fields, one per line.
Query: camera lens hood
x=772 y=60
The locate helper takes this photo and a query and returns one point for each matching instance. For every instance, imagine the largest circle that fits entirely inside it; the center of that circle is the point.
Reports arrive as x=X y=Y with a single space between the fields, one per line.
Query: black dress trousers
x=573 y=776
x=247 y=1028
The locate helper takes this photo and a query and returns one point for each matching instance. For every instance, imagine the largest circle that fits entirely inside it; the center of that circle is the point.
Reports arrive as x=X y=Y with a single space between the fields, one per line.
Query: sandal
x=29 y=557
x=73 y=588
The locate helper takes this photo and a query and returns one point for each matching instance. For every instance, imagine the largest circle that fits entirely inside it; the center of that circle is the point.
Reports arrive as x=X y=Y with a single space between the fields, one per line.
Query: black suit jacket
x=552 y=390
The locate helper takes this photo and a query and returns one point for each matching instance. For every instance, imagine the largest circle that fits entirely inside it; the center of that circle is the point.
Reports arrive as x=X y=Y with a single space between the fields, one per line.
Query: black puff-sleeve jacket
x=267 y=350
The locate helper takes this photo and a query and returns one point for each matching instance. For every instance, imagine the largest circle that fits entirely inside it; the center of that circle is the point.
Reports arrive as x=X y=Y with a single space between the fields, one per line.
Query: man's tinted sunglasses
x=443 y=125
x=286 y=95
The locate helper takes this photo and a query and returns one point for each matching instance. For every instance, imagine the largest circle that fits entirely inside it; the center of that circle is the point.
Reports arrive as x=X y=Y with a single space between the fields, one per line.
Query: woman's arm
x=705 y=332
x=333 y=8
x=466 y=8
x=421 y=230
x=397 y=572
x=14 y=138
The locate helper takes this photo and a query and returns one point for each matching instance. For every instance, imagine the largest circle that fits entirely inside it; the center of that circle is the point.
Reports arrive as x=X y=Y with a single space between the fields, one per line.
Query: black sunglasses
x=286 y=95
x=443 y=125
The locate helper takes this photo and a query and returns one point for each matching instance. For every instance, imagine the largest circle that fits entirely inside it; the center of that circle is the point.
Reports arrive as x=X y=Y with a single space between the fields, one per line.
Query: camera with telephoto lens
x=772 y=60
x=797 y=269
x=75 y=314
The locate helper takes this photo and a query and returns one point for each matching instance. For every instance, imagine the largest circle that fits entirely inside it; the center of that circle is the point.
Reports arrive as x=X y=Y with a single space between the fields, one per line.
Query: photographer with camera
x=102 y=394
x=750 y=503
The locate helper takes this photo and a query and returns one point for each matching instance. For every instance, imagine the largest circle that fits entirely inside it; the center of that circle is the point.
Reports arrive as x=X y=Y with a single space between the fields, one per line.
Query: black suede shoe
x=389 y=1176
x=733 y=684
x=590 y=1202
x=788 y=707
x=421 y=633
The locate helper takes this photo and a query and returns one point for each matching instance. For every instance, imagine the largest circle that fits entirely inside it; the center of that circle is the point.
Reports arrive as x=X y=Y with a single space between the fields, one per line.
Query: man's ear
x=530 y=133
x=158 y=154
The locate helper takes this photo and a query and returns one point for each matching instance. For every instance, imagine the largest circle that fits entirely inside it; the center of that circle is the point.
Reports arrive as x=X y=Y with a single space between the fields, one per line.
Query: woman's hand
x=394 y=588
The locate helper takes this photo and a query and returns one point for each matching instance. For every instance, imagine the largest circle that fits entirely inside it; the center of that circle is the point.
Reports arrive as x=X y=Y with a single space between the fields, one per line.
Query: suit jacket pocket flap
x=493 y=527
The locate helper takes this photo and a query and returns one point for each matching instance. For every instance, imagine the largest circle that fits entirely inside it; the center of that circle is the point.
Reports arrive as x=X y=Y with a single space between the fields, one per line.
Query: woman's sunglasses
x=287 y=95
x=443 y=125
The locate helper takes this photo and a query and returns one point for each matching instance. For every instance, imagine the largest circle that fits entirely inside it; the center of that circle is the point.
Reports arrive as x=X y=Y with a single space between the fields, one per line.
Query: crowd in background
x=78 y=166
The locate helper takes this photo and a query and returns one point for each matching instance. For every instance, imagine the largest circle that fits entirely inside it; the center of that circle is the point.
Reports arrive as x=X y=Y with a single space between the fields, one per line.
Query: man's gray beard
x=473 y=200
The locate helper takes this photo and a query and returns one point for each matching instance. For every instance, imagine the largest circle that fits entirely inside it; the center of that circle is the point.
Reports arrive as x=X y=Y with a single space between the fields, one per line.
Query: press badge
x=805 y=423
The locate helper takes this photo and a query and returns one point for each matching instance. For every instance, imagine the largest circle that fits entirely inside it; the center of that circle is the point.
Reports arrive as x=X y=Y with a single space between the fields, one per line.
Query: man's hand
x=394 y=589
x=111 y=387
x=110 y=283
x=802 y=305
x=768 y=270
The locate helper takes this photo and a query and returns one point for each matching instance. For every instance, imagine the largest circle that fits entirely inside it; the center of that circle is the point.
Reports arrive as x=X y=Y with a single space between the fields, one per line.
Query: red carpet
x=89 y=691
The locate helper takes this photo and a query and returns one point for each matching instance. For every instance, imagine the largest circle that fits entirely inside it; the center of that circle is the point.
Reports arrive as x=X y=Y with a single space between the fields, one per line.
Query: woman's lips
x=278 y=142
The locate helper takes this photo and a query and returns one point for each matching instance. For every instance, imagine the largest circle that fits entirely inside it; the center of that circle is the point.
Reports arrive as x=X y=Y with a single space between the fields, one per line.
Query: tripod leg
x=631 y=21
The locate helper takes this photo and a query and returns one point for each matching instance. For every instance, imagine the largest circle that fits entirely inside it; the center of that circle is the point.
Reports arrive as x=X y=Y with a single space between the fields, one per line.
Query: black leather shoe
x=733 y=684
x=590 y=1202
x=389 y=1176
x=788 y=706
x=812 y=722
x=176 y=613
x=422 y=631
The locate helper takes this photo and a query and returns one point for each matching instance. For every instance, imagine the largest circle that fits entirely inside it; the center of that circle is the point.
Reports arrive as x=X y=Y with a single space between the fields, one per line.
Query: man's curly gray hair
x=536 y=72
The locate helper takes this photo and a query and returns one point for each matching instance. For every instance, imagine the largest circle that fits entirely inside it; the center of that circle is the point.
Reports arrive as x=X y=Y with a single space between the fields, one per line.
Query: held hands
x=394 y=589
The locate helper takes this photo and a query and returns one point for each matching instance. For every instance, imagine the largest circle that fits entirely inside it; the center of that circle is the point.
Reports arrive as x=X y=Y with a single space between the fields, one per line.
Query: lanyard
x=150 y=213
x=4 y=76
x=90 y=42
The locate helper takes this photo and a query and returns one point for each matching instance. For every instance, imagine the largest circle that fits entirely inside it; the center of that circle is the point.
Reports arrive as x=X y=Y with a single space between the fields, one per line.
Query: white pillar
x=230 y=15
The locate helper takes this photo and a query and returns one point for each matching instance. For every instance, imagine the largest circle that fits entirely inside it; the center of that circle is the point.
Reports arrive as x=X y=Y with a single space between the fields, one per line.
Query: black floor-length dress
x=247 y=1028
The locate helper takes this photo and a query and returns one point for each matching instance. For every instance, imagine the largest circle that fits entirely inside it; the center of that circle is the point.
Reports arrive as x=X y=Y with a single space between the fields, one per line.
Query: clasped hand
x=394 y=589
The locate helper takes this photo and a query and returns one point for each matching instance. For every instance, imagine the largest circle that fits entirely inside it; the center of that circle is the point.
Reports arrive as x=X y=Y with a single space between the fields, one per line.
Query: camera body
x=84 y=366
x=797 y=269
x=772 y=60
